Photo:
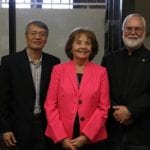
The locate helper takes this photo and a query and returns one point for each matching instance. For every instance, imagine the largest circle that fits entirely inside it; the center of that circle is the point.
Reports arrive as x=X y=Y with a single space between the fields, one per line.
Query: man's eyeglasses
x=40 y=34
x=130 y=29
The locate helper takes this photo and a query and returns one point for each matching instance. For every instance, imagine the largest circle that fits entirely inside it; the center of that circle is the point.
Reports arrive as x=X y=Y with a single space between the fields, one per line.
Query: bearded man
x=129 y=76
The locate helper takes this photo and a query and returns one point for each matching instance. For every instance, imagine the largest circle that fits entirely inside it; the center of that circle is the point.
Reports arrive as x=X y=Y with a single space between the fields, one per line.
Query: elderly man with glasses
x=24 y=79
x=129 y=76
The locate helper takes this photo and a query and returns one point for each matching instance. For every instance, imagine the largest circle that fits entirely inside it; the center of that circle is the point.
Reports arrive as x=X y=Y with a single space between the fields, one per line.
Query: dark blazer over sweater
x=17 y=93
x=129 y=77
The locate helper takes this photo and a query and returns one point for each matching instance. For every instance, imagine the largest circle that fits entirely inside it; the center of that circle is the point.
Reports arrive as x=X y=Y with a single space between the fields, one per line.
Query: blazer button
x=80 y=101
x=82 y=118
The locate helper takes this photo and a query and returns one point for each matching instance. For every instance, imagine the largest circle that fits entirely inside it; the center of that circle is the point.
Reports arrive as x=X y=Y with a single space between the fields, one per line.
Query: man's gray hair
x=133 y=15
x=37 y=23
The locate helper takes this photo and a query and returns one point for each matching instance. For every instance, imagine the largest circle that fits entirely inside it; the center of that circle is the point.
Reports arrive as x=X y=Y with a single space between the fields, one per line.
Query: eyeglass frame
x=130 y=29
x=40 y=34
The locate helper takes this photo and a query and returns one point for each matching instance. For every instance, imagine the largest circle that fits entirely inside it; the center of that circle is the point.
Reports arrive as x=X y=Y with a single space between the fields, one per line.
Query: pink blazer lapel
x=85 y=78
x=73 y=75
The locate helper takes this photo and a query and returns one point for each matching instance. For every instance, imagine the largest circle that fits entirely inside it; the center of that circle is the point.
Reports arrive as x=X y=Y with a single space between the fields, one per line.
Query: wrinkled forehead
x=134 y=21
x=34 y=26
x=85 y=35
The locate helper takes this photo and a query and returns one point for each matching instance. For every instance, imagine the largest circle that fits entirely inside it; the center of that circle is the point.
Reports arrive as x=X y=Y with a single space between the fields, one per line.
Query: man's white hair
x=134 y=15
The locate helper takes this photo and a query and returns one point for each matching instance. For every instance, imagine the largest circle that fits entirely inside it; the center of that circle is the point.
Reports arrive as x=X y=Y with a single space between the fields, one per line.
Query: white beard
x=133 y=42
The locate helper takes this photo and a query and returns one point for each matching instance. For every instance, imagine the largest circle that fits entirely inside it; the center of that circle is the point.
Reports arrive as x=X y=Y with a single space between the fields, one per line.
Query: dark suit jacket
x=17 y=93
x=129 y=77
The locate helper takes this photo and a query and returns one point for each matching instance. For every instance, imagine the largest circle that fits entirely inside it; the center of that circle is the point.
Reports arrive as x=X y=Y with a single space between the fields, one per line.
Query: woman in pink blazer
x=77 y=101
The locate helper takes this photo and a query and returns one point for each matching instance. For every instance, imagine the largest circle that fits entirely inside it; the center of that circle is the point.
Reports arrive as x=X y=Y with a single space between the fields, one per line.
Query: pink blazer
x=65 y=98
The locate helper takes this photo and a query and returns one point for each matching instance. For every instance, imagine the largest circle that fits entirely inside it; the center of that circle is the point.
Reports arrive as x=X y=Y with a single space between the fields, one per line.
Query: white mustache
x=84 y=51
x=133 y=37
